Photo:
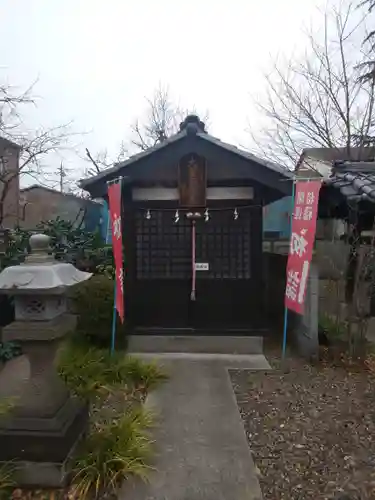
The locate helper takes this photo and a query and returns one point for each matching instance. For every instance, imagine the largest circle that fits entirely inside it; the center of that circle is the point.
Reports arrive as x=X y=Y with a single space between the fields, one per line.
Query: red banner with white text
x=114 y=196
x=302 y=239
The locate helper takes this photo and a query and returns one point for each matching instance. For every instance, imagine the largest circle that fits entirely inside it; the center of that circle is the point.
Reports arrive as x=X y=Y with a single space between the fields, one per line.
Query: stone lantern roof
x=40 y=273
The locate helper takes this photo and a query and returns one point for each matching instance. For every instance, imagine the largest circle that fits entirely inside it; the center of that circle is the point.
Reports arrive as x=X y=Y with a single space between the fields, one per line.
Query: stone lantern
x=45 y=422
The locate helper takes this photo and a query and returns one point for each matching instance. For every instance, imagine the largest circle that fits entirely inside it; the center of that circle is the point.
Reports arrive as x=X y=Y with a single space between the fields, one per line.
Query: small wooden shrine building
x=192 y=232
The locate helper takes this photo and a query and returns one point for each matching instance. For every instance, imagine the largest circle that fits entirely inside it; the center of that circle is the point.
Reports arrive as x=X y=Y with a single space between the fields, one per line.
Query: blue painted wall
x=93 y=217
x=104 y=226
x=276 y=217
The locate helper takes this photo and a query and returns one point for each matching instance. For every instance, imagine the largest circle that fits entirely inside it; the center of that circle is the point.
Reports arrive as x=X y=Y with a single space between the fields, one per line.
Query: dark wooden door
x=224 y=292
x=163 y=270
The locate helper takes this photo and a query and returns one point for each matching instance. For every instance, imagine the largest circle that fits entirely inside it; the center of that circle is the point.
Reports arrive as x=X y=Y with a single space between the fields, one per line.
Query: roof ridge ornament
x=193 y=125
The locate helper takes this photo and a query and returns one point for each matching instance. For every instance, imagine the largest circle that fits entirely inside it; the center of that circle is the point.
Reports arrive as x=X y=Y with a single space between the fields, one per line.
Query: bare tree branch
x=368 y=66
x=30 y=150
x=162 y=119
x=97 y=168
x=317 y=100
x=103 y=160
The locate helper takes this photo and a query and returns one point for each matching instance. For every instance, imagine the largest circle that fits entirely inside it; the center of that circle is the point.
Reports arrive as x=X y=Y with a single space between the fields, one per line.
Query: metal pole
x=114 y=316
x=285 y=308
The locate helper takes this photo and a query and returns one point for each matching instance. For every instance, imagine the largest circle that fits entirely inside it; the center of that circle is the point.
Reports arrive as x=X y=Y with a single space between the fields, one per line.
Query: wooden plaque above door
x=192 y=181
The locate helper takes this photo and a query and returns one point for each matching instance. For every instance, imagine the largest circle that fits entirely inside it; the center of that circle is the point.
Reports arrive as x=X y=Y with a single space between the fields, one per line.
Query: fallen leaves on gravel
x=311 y=431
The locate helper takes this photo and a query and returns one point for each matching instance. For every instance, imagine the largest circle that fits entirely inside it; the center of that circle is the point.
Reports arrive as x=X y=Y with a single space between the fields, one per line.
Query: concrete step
x=210 y=344
x=230 y=361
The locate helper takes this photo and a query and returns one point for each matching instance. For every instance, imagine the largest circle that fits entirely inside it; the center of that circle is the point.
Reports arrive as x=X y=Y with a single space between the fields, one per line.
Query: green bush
x=93 y=304
x=69 y=243
x=9 y=350
x=85 y=249
x=17 y=242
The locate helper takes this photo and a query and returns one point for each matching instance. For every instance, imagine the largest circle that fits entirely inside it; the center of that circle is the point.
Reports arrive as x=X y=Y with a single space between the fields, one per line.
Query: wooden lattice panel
x=163 y=247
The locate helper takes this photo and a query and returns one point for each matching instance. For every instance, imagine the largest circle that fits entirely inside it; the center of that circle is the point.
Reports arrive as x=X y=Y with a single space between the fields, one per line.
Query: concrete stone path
x=201 y=448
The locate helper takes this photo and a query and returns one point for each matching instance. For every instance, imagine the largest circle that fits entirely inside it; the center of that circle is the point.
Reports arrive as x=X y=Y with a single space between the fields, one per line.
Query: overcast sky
x=96 y=61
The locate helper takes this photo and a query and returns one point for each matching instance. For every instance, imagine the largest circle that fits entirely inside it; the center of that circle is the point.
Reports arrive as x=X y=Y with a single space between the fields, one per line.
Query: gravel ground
x=311 y=430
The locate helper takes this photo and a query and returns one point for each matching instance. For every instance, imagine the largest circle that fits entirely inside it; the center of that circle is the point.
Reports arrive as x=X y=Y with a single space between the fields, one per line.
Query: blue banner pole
x=285 y=331
x=114 y=320
x=285 y=308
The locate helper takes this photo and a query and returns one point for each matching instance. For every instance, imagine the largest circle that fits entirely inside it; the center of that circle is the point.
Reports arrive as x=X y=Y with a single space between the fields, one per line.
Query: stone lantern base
x=43 y=455
x=45 y=423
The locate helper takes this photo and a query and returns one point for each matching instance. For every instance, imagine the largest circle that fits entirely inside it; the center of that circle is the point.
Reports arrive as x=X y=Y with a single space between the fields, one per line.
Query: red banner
x=114 y=195
x=301 y=243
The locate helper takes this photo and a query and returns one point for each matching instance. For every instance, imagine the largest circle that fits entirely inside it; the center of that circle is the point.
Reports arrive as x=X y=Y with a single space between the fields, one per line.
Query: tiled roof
x=184 y=131
x=355 y=180
x=7 y=143
x=339 y=154
x=58 y=193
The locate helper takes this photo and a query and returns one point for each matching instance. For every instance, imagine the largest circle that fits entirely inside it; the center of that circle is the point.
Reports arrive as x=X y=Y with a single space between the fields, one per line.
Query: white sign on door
x=202 y=266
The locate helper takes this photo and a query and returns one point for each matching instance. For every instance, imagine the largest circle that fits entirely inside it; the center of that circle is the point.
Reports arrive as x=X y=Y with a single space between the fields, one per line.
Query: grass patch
x=6 y=481
x=112 y=452
x=144 y=376
x=89 y=371
x=7 y=405
x=118 y=444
